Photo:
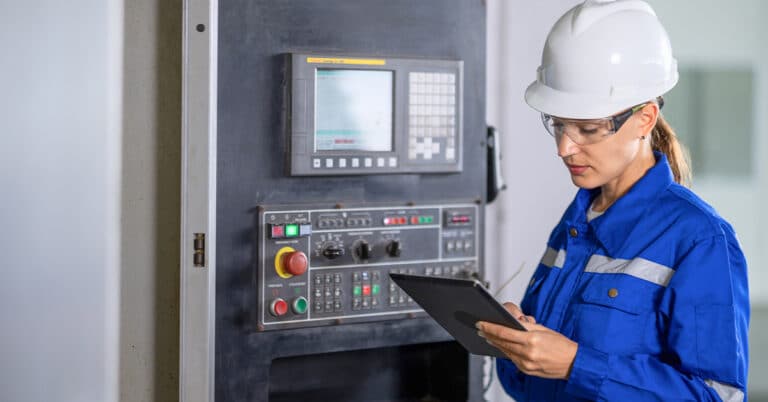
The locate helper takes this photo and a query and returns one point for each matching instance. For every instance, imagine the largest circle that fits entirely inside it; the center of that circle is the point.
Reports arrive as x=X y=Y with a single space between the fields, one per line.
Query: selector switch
x=333 y=251
x=393 y=248
x=362 y=250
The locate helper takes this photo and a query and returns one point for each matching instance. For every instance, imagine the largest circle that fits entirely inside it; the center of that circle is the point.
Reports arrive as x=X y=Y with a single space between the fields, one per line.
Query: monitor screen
x=353 y=110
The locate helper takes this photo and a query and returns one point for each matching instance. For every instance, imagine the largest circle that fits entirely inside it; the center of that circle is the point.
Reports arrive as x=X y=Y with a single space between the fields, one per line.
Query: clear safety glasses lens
x=585 y=132
x=582 y=132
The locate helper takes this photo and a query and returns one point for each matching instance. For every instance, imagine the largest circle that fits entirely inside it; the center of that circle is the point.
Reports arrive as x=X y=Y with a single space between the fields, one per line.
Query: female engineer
x=642 y=291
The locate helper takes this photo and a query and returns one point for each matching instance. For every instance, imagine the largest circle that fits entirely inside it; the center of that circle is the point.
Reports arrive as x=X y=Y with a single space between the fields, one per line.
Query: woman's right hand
x=518 y=314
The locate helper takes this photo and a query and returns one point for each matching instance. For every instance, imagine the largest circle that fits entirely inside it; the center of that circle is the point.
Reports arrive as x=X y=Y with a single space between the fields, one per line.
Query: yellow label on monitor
x=335 y=60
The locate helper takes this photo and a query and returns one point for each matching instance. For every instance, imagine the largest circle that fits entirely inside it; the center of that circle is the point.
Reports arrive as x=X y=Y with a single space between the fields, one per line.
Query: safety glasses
x=585 y=132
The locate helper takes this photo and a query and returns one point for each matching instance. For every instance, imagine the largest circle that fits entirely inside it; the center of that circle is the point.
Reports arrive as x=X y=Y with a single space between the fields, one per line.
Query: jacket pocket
x=615 y=312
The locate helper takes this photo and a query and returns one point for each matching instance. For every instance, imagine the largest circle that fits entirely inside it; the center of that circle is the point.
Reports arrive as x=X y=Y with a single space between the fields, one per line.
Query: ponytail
x=664 y=140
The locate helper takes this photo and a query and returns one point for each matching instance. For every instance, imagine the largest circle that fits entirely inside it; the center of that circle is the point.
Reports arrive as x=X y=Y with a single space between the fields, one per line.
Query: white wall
x=539 y=187
x=731 y=36
x=60 y=68
x=149 y=279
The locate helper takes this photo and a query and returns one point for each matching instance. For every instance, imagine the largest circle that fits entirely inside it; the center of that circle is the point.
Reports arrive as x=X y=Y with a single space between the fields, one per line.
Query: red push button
x=295 y=262
x=278 y=307
x=366 y=290
x=278 y=231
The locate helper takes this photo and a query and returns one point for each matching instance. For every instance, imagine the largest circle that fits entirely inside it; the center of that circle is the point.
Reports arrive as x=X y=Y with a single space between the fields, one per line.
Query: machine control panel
x=329 y=266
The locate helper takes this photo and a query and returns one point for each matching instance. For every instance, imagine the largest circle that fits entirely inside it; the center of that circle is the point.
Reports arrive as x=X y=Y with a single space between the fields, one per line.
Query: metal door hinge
x=199 y=250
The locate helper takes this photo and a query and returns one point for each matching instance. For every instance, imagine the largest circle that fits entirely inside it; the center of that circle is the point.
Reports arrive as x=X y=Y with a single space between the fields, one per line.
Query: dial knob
x=393 y=248
x=363 y=250
x=333 y=251
x=295 y=262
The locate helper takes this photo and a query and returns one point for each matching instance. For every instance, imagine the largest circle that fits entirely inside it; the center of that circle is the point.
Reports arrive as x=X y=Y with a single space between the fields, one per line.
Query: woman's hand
x=539 y=351
x=517 y=313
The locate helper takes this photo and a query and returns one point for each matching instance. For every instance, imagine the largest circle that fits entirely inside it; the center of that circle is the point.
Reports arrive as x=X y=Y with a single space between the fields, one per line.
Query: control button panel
x=432 y=116
x=330 y=266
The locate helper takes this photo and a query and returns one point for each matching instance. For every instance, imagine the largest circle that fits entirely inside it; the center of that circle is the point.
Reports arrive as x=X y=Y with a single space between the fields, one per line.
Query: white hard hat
x=602 y=57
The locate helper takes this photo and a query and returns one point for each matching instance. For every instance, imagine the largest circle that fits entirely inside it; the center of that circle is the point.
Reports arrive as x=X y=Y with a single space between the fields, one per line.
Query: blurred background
x=90 y=167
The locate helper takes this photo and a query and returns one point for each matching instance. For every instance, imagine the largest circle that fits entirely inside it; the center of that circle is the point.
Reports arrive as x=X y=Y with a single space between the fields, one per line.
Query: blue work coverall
x=654 y=291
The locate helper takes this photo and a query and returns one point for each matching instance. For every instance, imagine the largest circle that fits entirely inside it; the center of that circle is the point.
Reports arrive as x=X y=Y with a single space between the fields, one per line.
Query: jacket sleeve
x=511 y=379
x=704 y=318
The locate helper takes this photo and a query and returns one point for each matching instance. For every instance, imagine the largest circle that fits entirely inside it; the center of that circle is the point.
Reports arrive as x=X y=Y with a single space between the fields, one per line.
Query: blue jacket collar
x=625 y=214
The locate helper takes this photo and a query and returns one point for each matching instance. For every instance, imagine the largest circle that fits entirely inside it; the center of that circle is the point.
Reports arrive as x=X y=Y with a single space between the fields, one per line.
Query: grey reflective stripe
x=726 y=392
x=638 y=267
x=553 y=258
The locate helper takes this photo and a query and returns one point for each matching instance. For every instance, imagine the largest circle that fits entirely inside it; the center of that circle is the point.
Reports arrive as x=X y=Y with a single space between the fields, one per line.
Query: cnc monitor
x=355 y=115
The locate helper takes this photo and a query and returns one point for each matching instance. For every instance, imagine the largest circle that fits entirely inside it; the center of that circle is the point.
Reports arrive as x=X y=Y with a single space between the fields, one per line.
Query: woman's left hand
x=539 y=351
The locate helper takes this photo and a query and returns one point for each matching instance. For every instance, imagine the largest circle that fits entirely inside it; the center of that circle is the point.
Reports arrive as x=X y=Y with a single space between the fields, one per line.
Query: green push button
x=291 y=230
x=357 y=290
x=376 y=289
x=300 y=305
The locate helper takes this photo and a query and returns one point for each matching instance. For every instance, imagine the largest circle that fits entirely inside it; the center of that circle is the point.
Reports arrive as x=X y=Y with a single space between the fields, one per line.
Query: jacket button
x=574 y=232
x=613 y=292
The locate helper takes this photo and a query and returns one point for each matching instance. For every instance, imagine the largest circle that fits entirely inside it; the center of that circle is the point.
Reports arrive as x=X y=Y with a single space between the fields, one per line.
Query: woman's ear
x=646 y=118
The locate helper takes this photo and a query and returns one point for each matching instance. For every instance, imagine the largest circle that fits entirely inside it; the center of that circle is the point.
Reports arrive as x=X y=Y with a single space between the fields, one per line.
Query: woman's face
x=608 y=160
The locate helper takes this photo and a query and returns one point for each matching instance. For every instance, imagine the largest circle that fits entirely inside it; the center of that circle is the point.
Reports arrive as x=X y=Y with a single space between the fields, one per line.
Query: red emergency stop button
x=278 y=307
x=295 y=262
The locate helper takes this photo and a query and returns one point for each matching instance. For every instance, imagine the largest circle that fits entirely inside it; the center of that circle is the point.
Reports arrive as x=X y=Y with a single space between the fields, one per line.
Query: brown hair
x=664 y=140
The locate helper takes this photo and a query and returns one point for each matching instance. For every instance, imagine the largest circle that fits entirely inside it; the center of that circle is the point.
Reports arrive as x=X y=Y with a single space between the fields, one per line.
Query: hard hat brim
x=550 y=101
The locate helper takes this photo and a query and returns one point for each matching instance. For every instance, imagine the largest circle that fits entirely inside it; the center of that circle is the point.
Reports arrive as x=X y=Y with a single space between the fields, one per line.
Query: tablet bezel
x=456 y=304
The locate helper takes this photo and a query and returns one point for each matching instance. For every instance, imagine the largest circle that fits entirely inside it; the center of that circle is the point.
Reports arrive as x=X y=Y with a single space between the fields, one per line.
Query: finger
x=527 y=318
x=513 y=309
x=490 y=330
x=514 y=351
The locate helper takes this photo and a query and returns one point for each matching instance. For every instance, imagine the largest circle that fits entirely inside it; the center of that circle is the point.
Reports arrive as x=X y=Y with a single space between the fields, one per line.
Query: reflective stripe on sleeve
x=638 y=267
x=726 y=392
x=553 y=258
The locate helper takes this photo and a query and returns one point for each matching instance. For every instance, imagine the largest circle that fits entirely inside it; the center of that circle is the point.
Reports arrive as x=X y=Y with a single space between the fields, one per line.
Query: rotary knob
x=333 y=251
x=393 y=248
x=295 y=262
x=362 y=250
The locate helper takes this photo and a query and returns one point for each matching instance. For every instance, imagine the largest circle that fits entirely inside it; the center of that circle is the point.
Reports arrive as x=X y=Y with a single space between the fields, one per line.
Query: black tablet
x=457 y=304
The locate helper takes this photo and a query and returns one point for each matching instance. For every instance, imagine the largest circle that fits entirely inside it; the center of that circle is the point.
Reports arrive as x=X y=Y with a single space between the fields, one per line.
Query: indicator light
x=356 y=291
x=415 y=220
x=291 y=230
x=366 y=290
x=376 y=289
x=277 y=231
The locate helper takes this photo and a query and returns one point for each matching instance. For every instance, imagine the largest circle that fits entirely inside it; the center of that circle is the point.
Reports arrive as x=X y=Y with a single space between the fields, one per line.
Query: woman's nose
x=566 y=146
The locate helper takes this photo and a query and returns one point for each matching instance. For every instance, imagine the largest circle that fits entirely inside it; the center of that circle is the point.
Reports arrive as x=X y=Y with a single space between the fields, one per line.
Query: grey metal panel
x=252 y=153
x=198 y=201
